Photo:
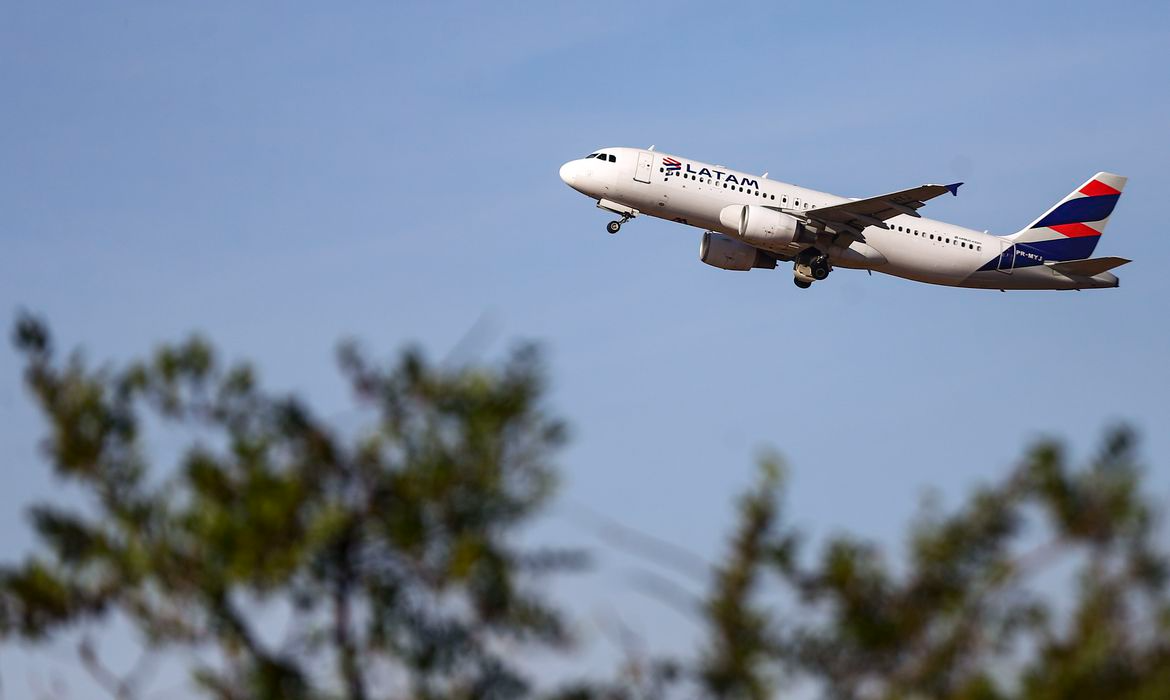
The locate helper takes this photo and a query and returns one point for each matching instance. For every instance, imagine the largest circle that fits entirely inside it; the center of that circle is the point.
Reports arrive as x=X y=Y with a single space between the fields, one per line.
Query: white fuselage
x=915 y=248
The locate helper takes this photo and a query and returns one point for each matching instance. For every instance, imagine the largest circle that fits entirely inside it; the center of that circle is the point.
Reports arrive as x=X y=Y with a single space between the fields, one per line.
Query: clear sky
x=280 y=176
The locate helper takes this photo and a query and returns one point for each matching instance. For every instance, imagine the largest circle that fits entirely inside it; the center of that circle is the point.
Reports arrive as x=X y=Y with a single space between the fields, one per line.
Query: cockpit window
x=591 y=155
x=612 y=158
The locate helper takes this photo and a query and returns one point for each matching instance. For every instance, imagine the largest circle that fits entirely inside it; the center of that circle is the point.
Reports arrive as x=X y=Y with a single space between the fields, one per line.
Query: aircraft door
x=1007 y=257
x=645 y=165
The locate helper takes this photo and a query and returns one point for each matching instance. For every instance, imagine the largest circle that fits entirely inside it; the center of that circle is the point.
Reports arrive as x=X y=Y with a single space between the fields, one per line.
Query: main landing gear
x=812 y=265
x=615 y=226
x=820 y=267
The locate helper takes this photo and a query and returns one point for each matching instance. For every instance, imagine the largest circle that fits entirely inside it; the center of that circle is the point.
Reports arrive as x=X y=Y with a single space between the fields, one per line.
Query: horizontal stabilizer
x=1087 y=268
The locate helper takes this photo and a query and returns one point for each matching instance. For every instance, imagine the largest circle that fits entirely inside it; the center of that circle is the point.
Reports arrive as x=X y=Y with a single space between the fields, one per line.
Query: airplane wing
x=874 y=211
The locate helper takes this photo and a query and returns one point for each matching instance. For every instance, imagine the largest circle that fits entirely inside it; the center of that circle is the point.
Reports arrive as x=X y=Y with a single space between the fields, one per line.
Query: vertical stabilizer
x=1071 y=229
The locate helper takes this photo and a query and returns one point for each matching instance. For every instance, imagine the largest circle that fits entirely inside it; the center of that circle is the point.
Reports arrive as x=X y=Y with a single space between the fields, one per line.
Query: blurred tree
x=982 y=607
x=392 y=554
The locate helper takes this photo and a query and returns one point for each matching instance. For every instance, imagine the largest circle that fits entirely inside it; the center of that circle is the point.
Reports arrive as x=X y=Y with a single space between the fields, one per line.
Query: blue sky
x=280 y=176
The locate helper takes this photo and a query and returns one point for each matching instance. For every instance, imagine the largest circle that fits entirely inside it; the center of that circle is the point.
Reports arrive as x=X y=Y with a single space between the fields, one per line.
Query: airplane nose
x=569 y=173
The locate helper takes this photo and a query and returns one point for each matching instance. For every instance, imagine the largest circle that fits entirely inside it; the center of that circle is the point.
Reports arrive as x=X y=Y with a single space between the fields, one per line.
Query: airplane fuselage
x=634 y=181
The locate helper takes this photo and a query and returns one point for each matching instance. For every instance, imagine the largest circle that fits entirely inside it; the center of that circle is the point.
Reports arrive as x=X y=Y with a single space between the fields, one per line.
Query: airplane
x=750 y=221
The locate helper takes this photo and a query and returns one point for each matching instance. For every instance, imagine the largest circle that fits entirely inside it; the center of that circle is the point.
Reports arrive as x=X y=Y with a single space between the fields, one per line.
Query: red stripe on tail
x=1075 y=230
x=1096 y=187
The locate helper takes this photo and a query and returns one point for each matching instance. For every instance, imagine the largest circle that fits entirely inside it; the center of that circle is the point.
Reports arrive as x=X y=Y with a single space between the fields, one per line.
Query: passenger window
x=773 y=196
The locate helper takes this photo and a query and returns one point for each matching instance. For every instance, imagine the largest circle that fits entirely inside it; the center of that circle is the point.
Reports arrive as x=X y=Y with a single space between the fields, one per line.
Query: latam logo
x=674 y=167
x=1072 y=216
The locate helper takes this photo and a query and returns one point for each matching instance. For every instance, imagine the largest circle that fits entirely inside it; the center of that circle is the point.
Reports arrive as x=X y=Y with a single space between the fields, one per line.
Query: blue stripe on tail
x=1062 y=249
x=1059 y=250
x=1076 y=211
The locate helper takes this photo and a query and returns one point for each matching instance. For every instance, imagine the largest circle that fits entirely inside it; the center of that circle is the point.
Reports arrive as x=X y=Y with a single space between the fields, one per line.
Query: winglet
x=954 y=189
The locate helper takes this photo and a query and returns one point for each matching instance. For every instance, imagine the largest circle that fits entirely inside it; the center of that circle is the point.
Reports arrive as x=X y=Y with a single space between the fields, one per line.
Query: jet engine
x=727 y=253
x=763 y=227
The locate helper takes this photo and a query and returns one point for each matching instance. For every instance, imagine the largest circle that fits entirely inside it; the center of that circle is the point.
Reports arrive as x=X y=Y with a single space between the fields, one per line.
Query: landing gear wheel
x=613 y=226
x=819 y=267
x=801 y=283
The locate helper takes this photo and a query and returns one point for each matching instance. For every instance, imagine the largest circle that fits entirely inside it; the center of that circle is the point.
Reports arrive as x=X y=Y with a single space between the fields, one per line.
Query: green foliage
x=390 y=551
x=740 y=643
x=975 y=610
x=391 y=554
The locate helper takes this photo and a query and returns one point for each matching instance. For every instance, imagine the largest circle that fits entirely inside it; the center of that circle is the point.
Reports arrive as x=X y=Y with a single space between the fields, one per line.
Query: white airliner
x=751 y=221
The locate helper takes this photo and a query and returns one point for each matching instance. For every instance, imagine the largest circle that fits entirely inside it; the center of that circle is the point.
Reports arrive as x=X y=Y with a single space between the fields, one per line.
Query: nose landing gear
x=621 y=210
x=615 y=226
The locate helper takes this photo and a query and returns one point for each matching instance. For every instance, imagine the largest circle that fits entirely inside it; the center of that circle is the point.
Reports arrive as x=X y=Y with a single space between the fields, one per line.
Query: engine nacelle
x=762 y=227
x=727 y=253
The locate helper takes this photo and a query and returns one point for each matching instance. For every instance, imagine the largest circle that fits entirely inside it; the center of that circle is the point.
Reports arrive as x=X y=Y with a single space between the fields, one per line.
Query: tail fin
x=1070 y=230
